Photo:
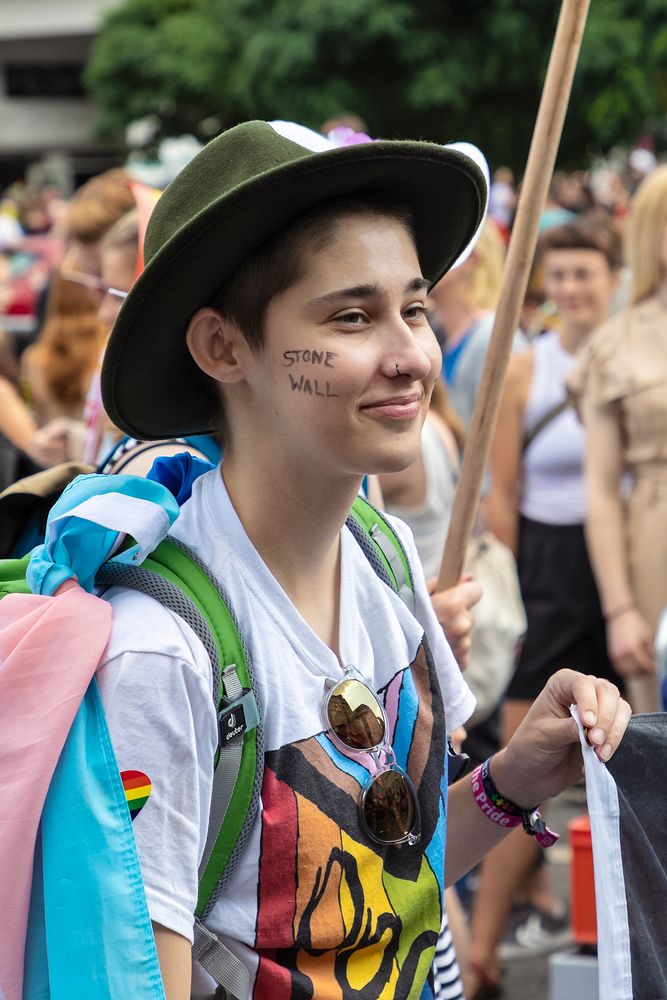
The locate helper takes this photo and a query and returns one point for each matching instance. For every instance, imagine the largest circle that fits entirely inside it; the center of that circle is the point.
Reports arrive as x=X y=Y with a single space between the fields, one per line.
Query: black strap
x=544 y=422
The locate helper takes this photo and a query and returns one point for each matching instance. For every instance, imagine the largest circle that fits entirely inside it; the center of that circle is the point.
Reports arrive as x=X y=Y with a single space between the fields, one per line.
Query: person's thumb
x=560 y=732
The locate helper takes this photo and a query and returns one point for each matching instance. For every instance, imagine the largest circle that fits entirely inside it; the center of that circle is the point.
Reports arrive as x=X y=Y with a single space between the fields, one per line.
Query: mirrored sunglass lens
x=389 y=808
x=355 y=715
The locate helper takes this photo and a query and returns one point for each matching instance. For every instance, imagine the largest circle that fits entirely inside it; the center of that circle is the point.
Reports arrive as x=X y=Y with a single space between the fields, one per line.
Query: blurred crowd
x=55 y=310
x=569 y=561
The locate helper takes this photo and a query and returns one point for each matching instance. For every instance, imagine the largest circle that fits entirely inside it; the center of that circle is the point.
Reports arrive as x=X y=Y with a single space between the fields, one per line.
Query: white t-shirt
x=553 y=490
x=313 y=903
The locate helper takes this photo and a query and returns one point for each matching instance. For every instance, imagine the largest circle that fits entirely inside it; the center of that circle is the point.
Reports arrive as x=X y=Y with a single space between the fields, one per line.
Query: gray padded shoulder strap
x=221 y=964
x=170 y=596
x=230 y=974
x=370 y=543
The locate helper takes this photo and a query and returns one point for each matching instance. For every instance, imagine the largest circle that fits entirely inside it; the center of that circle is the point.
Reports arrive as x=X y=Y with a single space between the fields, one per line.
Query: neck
x=572 y=337
x=293 y=518
x=662 y=294
x=457 y=316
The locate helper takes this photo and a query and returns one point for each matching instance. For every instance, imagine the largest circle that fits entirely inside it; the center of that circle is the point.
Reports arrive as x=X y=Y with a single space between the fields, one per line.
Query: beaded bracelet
x=506 y=813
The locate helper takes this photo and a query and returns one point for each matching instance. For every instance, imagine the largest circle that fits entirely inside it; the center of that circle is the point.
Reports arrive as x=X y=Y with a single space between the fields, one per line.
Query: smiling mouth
x=396 y=408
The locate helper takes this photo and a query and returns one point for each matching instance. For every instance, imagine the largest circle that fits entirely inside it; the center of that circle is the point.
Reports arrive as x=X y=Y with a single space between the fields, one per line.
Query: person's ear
x=216 y=345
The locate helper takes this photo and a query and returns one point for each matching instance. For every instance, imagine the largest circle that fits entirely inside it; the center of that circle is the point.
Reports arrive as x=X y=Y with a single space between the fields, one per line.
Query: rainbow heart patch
x=137 y=787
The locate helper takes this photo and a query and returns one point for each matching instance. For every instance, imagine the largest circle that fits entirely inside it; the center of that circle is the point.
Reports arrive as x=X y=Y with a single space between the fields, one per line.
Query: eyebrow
x=368 y=291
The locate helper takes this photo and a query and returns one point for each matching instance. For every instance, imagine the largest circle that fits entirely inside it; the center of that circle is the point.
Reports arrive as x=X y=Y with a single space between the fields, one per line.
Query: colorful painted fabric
x=312 y=906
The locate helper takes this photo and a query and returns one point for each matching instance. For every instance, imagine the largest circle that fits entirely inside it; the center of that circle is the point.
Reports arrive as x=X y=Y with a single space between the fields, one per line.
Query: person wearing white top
x=537 y=507
x=285 y=287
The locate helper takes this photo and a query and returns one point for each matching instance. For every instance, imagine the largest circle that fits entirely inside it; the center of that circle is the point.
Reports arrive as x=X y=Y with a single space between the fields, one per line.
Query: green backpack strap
x=383 y=549
x=174 y=576
x=12 y=576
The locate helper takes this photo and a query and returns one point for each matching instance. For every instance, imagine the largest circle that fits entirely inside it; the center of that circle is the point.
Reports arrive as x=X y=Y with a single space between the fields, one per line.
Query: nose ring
x=397 y=370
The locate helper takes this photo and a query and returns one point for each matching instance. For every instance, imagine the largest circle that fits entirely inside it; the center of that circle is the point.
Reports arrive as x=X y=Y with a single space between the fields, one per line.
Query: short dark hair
x=588 y=232
x=280 y=262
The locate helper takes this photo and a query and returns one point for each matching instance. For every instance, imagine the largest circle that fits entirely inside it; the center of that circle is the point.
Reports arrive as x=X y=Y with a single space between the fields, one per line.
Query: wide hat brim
x=219 y=209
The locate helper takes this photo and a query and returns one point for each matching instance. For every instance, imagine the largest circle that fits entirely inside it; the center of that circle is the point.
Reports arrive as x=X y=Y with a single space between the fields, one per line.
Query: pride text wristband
x=506 y=813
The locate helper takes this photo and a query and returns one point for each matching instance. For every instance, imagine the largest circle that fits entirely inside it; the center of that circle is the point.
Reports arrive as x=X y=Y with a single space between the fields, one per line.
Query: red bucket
x=582 y=882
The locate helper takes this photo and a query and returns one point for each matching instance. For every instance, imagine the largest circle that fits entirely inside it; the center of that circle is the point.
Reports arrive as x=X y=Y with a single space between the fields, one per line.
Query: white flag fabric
x=627 y=803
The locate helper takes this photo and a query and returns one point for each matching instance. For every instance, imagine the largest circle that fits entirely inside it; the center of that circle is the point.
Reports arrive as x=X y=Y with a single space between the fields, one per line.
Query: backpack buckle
x=237 y=718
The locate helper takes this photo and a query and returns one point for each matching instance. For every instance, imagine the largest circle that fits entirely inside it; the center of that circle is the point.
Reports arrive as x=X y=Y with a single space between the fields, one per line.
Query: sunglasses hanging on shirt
x=357 y=722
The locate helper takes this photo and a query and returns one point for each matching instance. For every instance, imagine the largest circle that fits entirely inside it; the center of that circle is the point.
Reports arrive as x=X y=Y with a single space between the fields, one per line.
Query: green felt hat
x=242 y=188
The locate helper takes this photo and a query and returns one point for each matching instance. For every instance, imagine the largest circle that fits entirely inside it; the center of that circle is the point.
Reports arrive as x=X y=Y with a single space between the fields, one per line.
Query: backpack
x=174 y=575
x=25 y=504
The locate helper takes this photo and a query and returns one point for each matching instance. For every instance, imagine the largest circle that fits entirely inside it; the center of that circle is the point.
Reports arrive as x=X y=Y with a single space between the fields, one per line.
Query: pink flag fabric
x=50 y=648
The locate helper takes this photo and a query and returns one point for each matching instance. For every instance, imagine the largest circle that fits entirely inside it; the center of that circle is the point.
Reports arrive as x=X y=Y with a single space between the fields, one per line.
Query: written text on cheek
x=309 y=357
x=311 y=387
x=307 y=386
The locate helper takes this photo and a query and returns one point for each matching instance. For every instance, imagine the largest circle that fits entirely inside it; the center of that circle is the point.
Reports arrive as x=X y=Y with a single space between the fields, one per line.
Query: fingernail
x=606 y=752
x=596 y=735
x=589 y=718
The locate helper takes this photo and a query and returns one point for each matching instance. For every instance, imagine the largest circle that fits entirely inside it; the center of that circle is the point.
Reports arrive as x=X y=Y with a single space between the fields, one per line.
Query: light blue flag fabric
x=90 y=933
x=89 y=521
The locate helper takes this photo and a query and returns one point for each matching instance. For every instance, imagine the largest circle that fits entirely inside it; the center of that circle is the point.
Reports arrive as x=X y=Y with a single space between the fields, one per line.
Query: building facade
x=45 y=116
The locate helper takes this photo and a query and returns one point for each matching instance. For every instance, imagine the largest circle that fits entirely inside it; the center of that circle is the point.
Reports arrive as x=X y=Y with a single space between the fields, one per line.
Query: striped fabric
x=446 y=974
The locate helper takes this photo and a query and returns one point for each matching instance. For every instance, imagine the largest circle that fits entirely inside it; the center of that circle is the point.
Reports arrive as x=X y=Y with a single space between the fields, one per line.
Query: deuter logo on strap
x=232 y=724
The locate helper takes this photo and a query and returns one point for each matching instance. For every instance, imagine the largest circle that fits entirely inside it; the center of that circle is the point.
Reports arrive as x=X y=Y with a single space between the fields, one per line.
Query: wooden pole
x=539 y=169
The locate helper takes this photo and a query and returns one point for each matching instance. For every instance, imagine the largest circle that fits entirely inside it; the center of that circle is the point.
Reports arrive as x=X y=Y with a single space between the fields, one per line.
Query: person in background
x=342 y=126
x=555 y=214
x=620 y=386
x=94 y=209
x=573 y=192
x=502 y=200
x=423 y=493
x=20 y=437
x=121 y=251
x=56 y=369
x=537 y=507
x=422 y=496
x=463 y=306
x=641 y=162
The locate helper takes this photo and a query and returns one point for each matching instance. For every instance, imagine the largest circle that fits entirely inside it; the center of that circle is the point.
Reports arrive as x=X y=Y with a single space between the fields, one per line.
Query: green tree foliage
x=410 y=68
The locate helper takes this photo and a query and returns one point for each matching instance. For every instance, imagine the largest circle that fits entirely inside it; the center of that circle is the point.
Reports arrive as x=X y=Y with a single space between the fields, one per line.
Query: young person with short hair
x=284 y=297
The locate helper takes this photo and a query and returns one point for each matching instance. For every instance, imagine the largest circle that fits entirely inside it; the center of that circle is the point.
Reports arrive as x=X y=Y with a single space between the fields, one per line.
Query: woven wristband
x=506 y=813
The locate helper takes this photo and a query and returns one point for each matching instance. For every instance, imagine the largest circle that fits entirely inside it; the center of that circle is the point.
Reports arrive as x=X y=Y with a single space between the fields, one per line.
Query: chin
x=390 y=461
